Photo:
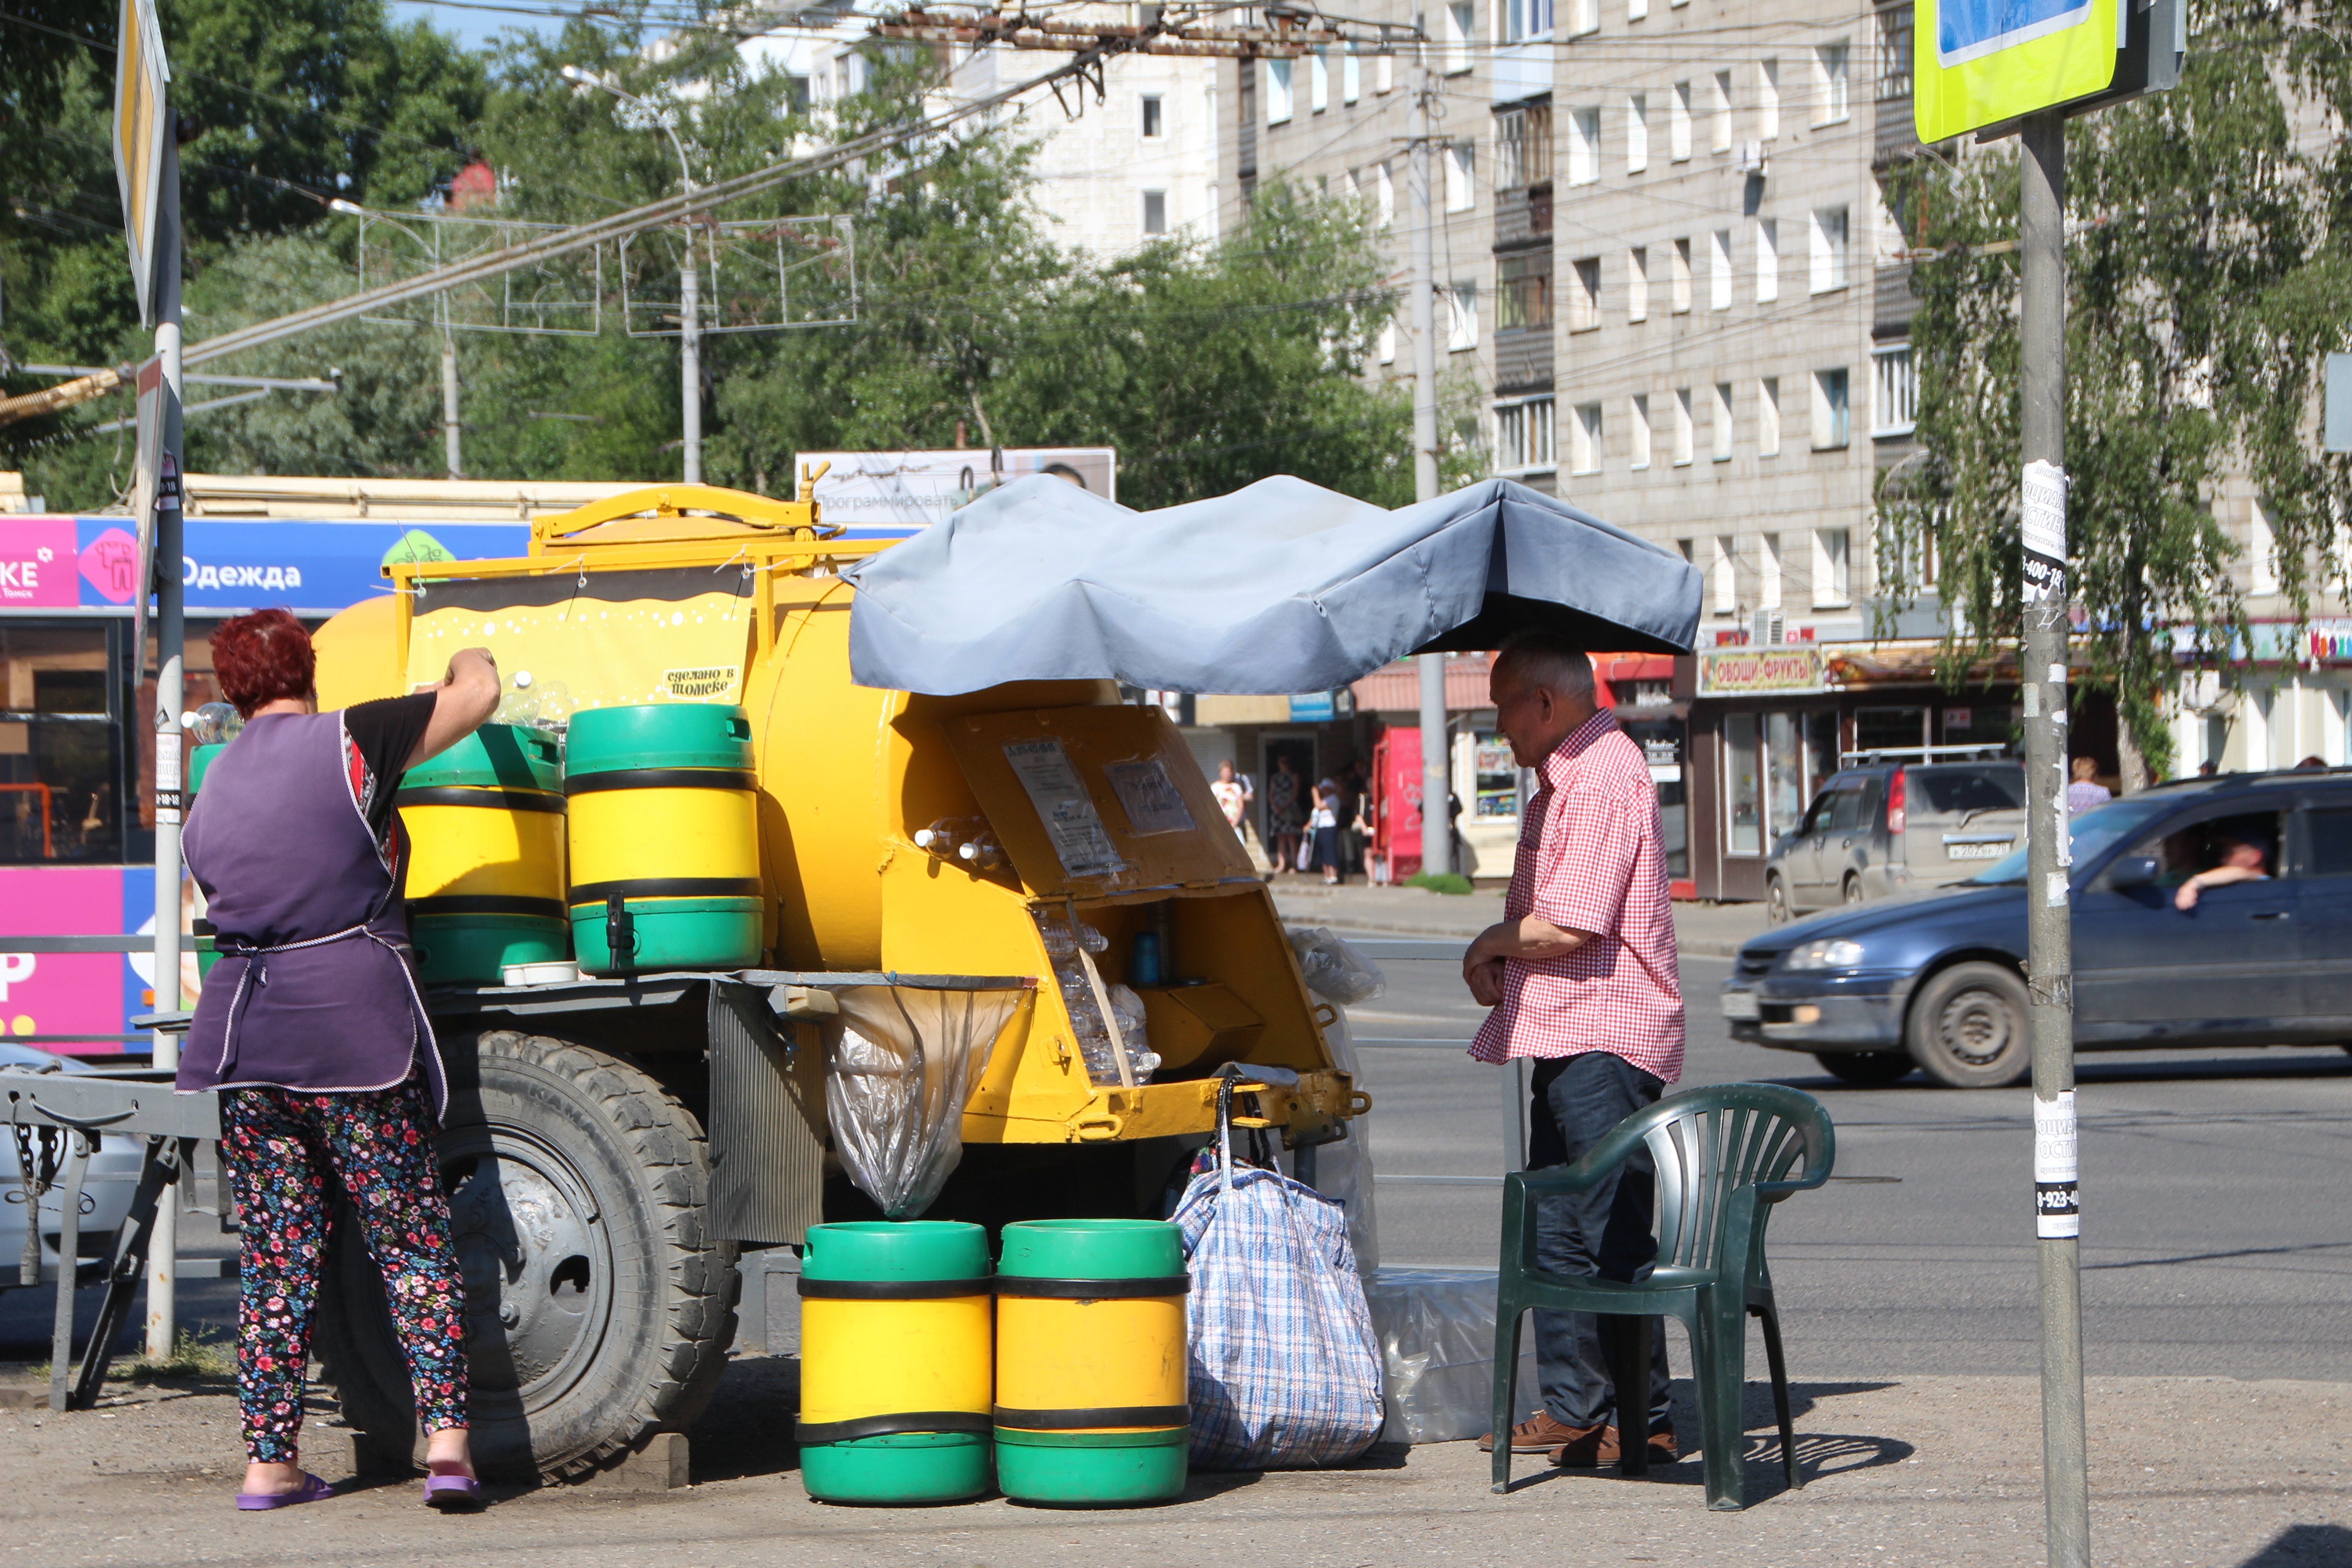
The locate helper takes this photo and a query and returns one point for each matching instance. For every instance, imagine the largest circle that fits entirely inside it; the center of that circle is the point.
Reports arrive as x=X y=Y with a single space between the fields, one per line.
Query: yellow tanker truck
x=963 y=877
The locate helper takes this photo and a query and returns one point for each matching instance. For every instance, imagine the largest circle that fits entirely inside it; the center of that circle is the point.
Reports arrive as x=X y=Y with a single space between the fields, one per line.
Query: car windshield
x=2095 y=832
x=1953 y=790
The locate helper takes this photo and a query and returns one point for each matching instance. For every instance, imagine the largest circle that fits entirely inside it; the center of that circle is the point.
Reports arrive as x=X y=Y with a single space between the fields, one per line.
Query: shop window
x=60 y=746
x=1784 y=761
x=1497 y=780
x=1890 y=729
x=1744 y=791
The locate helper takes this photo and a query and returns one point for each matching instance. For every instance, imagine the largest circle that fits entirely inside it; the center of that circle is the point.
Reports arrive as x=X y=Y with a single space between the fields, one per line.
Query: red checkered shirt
x=1592 y=858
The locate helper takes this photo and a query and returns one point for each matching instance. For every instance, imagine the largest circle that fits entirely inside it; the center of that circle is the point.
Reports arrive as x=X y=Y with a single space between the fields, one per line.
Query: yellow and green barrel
x=486 y=883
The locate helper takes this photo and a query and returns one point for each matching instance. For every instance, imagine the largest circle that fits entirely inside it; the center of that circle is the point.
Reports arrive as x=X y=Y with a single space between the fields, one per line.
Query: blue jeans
x=1605 y=1231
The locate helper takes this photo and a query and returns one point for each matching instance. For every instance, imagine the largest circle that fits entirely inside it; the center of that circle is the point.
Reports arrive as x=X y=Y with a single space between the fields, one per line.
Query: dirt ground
x=1924 y=1471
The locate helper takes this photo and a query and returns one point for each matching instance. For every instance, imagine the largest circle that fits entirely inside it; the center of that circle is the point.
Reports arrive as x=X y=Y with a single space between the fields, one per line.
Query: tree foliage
x=2206 y=265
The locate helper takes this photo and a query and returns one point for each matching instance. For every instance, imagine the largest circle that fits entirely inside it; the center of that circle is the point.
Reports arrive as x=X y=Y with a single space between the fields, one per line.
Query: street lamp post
x=689 y=356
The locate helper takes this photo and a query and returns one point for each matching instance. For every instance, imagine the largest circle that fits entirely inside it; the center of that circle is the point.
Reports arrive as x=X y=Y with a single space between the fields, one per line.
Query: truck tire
x=1968 y=1028
x=1872 y=1069
x=598 y=1307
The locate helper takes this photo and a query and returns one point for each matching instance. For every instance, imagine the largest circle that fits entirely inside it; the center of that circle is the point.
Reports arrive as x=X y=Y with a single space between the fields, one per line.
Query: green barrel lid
x=1092 y=1250
x=496 y=756
x=910 y=1249
x=198 y=762
x=658 y=735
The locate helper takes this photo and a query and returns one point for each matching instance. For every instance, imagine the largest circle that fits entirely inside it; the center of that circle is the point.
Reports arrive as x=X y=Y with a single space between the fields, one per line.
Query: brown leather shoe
x=1539 y=1434
x=1604 y=1447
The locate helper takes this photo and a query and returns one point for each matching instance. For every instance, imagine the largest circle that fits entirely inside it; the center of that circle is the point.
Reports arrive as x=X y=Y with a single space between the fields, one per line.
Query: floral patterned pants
x=287 y=1154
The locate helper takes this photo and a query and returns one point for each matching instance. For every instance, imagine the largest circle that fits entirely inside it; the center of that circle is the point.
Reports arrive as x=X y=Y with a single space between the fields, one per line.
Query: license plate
x=1978 y=851
x=1740 y=1005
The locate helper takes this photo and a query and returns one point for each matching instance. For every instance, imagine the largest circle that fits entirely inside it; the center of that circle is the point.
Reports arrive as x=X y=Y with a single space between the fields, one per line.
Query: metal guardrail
x=98 y=943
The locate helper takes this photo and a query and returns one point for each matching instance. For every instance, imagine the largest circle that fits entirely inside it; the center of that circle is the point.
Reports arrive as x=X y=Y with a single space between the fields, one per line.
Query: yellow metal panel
x=620 y=834
x=882 y=1358
x=483 y=851
x=1062 y=1355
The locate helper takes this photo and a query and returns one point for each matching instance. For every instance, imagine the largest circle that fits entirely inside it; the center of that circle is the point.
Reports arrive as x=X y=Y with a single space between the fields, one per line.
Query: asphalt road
x=2217 y=1196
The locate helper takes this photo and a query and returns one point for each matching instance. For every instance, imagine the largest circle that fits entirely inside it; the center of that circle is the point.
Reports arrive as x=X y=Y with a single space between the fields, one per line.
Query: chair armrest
x=1774 y=1191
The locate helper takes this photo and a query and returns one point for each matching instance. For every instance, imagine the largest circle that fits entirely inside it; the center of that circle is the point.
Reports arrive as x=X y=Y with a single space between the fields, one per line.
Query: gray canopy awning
x=1281 y=587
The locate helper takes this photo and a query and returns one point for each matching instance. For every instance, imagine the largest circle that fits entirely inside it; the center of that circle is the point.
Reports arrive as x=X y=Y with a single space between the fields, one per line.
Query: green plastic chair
x=1723 y=1154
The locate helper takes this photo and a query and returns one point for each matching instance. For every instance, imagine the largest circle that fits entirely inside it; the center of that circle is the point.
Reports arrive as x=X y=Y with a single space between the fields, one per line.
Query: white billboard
x=905 y=491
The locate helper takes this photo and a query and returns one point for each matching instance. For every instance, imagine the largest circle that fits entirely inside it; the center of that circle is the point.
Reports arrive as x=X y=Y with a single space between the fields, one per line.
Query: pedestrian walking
x=1235 y=797
x=2087 y=791
x=1581 y=976
x=1284 y=812
x=312 y=1029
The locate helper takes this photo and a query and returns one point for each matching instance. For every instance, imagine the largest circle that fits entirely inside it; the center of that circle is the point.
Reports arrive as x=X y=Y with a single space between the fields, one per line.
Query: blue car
x=2208 y=913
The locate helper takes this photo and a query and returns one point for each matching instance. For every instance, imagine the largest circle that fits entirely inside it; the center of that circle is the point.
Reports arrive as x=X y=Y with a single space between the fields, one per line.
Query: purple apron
x=315 y=989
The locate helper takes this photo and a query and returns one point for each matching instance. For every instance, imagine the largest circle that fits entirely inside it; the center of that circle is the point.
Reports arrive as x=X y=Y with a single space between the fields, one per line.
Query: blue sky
x=473 y=25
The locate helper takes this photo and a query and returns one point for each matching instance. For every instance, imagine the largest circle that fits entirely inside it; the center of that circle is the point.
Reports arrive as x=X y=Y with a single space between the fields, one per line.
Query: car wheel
x=1776 y=901
x=1875 y=1069
x=1968 y=1028
x=1854 y=893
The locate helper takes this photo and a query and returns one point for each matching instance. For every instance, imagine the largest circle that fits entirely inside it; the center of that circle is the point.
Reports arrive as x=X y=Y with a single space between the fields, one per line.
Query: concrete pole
x=449 y=437
x=689 y=352
x=164 y=1244
x=1436 y=825
x=2049 y=935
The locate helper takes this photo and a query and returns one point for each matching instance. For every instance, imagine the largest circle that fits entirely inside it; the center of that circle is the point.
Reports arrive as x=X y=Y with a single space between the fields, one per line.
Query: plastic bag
x=899 y=1067
x=1436 y=1330
x=1284 y=1369
x=1343 y=1170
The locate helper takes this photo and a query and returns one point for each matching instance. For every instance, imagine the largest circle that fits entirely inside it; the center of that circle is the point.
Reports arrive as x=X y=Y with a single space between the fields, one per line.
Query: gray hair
x=1550 y=661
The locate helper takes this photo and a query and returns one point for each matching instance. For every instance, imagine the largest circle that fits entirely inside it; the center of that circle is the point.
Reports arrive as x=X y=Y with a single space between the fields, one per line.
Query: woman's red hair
x=260 y=658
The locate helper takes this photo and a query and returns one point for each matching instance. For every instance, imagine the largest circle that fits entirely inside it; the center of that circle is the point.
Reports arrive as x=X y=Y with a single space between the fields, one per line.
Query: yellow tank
x=901 y=832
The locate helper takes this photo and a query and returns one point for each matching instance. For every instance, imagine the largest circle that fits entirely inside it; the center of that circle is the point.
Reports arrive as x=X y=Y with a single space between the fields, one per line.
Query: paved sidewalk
x=1938 y=1472
x=1712 y=931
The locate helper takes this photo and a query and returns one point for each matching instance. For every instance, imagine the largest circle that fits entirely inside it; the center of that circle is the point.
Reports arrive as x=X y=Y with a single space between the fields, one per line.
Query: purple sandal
x=453 y=1494
x=312 y=1489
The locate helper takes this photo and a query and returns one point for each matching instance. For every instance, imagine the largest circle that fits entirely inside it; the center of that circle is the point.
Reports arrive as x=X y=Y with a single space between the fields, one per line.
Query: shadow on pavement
x=2301 y=1544
x=747 y=1429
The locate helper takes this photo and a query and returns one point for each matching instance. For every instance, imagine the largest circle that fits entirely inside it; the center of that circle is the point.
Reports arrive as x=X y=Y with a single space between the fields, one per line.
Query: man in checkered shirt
x=1581 y=973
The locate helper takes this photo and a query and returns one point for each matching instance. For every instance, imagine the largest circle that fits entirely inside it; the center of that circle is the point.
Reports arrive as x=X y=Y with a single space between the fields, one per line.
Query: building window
x=1829 y=248
x=1767 y=98
x=1893 y=53
x=1832 y=550
x=1525 y=19
x=62 y=727
x=1209 y=210
x=1768 y=260
x=1895 y=391
x=1637 y=10
x=1830 y=83
x=1459 y=28
x=1767 y=416
x=1637 y=283
x=1678 y=123
x=1679 y=286
x=1461 y=318
x=1682 y=413
x=1384 y=194
x=1523 y=291
x=1319 y=82
x=1585 y=145
x=1722 y=421
x=1743 y=795
x=1277 y=91
x=1155 y=211
x=1831 y=421
x=1523 y=146
x=1719 y=112
x=1351 y=75
x=2262 y=551
x=1584 y=439
x=796 y=93
x=1384 y=72
x=1152 y=123
x=1523 y=435
x=1461 y=174
x=1637 y=132
x=1583 y=16
x=1718 y=270
x=1388 y=344
x=1768 y=571
x=1639 y=430
x=1722 y=581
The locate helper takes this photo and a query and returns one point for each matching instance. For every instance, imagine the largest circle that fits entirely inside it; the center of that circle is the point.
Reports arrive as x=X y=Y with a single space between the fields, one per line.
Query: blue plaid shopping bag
x=1285 y=1372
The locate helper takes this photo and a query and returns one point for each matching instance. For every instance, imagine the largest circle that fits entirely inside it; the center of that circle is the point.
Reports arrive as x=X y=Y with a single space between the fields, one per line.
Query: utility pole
x=449 y=439
x=164 y=1244
x=1436 y=822
x=689 y=344
x=2042 y=235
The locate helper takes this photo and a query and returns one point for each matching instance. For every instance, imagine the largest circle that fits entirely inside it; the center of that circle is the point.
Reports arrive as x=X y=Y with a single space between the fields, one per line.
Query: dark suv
x=1935 y=981
x=1885 y=829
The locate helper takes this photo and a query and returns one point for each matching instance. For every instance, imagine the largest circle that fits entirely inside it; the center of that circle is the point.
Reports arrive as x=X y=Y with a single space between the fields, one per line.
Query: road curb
x=1695 y=947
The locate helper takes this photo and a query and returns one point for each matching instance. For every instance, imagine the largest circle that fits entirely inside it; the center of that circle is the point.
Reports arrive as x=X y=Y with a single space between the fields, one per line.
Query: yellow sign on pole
x=140 y=125
x=1983 y=63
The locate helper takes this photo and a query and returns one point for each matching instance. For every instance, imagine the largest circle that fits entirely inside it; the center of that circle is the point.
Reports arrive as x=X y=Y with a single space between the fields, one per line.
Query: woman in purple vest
x=311 y=1027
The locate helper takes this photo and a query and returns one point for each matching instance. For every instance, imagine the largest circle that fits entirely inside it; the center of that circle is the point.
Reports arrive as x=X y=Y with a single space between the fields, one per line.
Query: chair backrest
x=1711 y=1146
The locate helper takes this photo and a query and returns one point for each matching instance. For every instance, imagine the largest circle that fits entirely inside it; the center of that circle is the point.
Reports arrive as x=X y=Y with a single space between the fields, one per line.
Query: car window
x=1848 y=815
x=1953 y=790
x=2182 y=852
x=2094 y=833
x=1817 y=820
x=2331 y=840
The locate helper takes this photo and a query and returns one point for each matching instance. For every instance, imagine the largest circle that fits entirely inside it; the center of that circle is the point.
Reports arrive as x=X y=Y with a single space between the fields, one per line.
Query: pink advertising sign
x=62 y=993
x=38 y=562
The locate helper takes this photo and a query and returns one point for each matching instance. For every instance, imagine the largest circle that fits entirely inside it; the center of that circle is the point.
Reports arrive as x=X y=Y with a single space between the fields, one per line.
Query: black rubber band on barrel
x=809 y=1433
x=892 y=1290
x=587 y=893
x=493 y=799
x=1092 y=1289
x=486 y=904
x=662 y=778
x=1080 y=1420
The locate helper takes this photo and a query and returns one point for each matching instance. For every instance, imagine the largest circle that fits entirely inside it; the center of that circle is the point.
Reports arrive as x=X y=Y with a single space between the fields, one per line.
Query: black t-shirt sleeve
x=384 y=735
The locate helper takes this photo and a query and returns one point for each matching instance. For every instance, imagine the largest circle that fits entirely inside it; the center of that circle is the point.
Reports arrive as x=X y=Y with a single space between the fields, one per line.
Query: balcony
x=1892 y=304
x=1898 y=132
x=1523 y=360
x=1523 y=215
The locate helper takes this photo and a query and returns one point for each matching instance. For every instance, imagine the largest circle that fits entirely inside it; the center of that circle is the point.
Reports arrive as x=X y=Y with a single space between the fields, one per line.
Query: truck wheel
x=1968 y=1028
x=1874 y=1068
x=598 y=1307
